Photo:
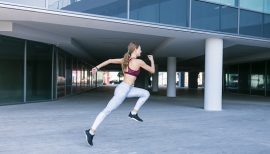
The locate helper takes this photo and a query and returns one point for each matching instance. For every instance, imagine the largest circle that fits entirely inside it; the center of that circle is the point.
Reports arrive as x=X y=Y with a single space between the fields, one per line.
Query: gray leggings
x=121 y=92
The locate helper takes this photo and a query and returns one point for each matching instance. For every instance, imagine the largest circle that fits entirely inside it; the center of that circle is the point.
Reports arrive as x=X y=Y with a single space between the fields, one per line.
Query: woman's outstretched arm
x=107 y=62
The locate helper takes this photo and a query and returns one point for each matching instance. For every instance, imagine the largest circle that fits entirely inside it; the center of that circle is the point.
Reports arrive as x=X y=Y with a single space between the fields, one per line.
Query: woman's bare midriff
x=129 y=79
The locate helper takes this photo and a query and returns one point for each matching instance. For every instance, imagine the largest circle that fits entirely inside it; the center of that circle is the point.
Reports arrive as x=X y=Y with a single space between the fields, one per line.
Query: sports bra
x=132 y=72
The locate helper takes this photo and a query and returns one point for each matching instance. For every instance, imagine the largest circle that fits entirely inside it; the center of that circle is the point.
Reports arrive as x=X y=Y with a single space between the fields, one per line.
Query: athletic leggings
x=122 y=91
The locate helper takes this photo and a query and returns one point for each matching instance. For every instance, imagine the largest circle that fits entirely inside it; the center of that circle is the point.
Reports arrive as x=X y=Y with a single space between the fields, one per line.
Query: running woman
x=131 y=68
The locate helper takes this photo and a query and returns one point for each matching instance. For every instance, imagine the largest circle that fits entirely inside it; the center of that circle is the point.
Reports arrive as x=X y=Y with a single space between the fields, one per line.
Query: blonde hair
x=132 y=46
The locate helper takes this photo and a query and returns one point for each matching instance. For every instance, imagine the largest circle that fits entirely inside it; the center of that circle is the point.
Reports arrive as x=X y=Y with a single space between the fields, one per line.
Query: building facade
x=228 y=40
x=33 y=71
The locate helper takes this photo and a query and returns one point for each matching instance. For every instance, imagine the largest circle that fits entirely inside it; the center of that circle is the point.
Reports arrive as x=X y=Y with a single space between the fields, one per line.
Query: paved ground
x=171 y=125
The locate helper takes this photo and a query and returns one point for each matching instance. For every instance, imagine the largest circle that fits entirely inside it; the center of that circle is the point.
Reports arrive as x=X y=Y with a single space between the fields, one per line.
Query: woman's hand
x=94 y=70
x=150 y=57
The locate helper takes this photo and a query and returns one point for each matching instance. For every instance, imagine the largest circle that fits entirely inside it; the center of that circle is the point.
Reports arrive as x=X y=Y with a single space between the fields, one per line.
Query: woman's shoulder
x=137 y=60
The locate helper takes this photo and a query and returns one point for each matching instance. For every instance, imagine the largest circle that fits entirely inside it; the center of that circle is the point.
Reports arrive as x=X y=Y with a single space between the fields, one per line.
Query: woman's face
x=138 y=51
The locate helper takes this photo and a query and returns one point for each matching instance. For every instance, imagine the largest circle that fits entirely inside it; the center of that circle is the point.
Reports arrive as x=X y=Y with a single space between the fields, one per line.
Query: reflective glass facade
x=205 y=15
x=231 y=78
x=210 y=15
x=11 y=69
x=256 y=5
x=68 y=74
x=34 y=3
x=248 y=78
x=214 y=17
x=251 y=23
x=244 y=78
x=257 y=78
x=267 y=78
x=172 y=12
x=61 y=73
x=39 y=71
x=49 y=72
x=267 y=6
x=115 y=8
x=226 y=2
x=266 y=26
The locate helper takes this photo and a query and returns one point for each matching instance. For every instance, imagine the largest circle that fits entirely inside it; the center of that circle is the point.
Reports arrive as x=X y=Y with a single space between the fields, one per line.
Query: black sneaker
x=89 y=137
x=135 y=117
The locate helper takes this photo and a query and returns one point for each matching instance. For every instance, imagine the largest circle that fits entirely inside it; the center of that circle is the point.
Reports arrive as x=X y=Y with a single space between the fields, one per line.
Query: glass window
x=11 y=70
x=267 y=6
x=88 y=77
x=268 y=78
x=94 y=80
x=251 y=23
x=215 y=1
x=37 y=3
x=228 y=19
x=172 y=12
x=79 y=76
x=83 y=79
x=226 y=2
x=257 y=83
x=244 y=73
x=115 y=8
x=231 y=78
x=214 y=17
x=99 y=78
x=229 y=2
x=91 y=79
x=59 y=4
x=205 y=15
x=54 y=73
x=256 y=5
x=39 y=71
x=266 y=26
x=68 y=74
x=61 y=78
x=144 y=10
x=74 y=74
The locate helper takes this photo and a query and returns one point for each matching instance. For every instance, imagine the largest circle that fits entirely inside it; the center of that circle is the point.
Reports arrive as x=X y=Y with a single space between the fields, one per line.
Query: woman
x=131 y=69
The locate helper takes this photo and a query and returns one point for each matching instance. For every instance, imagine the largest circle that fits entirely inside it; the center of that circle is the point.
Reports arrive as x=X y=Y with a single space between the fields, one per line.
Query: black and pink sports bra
x=133 y=72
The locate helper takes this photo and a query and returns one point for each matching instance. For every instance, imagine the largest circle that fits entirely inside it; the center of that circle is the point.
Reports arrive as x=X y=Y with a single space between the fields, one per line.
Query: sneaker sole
x=134 y=119
x=86 y=139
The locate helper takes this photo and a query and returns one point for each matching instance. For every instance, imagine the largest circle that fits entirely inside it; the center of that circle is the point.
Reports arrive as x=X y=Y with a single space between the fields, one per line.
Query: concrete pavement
x=171 y=125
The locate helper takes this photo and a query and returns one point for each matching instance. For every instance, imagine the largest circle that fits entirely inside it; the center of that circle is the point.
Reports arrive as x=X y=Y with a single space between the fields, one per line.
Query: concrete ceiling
x=96 y=38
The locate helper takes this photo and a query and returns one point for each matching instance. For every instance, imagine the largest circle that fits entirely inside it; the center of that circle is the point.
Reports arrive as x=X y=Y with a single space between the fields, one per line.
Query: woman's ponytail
x=131 y=47
x=125 y=61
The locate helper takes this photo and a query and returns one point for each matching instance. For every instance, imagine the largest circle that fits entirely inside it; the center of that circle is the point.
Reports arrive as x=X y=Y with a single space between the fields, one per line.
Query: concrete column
x=213 y=74
x=171 y=77
x=193 y=80
x=155 y=80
